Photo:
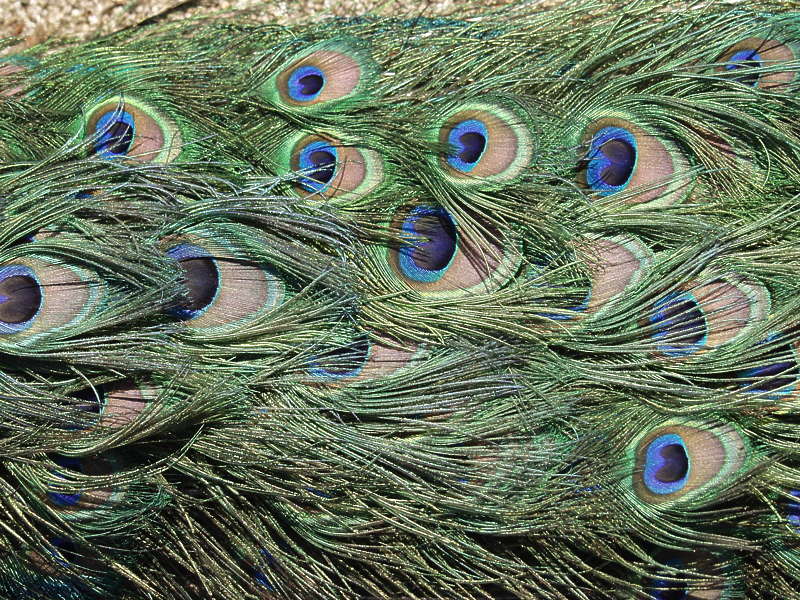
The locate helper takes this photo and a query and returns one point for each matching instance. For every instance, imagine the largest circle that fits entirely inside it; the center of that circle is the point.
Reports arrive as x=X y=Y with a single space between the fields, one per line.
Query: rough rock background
x=36 y=20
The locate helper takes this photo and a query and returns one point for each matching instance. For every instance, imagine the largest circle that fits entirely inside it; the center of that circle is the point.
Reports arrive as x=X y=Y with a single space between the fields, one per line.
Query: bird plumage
x=498 y=305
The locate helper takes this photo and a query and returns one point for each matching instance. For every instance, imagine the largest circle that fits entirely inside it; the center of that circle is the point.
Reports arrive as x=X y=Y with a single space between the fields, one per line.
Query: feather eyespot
x=469 y=138
x=123 y=127
x=427 y=261
x=683 y=461
x=39 y=297
x=59 y=553
x=222 y=290
x=611 y=160
x=615 y=265
x=11 y=65
x=319 y=159
x=305 y=83
x=359 y=359
x=436 y=256
x=777 y=374
x=793 y=510
x=20 y=298
x=201 y=277
x=667 y=465
x=115 y=131
x=329 y=75
x=744 y=59
x=700 y=316
x=486 y=142
x=619 y=156
x=333 y=170
x=82 y=504
x=343 y=362
x=679 y=320
x=677 y=579
x=116 y=404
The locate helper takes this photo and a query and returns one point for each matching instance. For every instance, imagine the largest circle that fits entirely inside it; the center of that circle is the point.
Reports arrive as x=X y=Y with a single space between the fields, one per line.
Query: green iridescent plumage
x=500 y=305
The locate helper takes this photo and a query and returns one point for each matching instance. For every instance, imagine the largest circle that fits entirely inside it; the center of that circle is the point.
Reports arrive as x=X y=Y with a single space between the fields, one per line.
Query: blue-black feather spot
x=779 y=369
x=668 y=590
x=93 y=397
x=73 y=464
x=611 y=160
x=311 y=85
x=306 y=83
x=793 y=510
x=116 y=131
x=679 y=318
x=745 y=59
x=469 y=139
x=433 y=254
x=675 y=465
x=472 y=145
x=667 y=465
x=325 y=163
x=319 y=158
x=347 y=361
x=201 y=278
x=20 y=299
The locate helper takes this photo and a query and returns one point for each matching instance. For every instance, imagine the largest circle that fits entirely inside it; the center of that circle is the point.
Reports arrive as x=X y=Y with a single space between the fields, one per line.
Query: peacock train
x=495 y=305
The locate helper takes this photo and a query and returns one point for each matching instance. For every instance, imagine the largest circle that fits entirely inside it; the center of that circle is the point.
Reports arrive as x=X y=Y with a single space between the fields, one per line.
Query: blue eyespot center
x=469 y=140
x=201 y=278
x=306 y=83
x=680 y=323
x=342 y=362
x=73 y=464
x=20 y=298
x=319 y=160
x=427 y=260
x=745 y=59
x=116 y=130
x=64 y=549
x=611 y=160
x=667 y=464
x=793 y=510
x=94 y=398
x=93 y=401
x=779 y=372
x=666 y=589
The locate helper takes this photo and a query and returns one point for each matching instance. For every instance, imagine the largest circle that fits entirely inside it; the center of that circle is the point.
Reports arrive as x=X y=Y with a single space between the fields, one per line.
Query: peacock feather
x=496 y=305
